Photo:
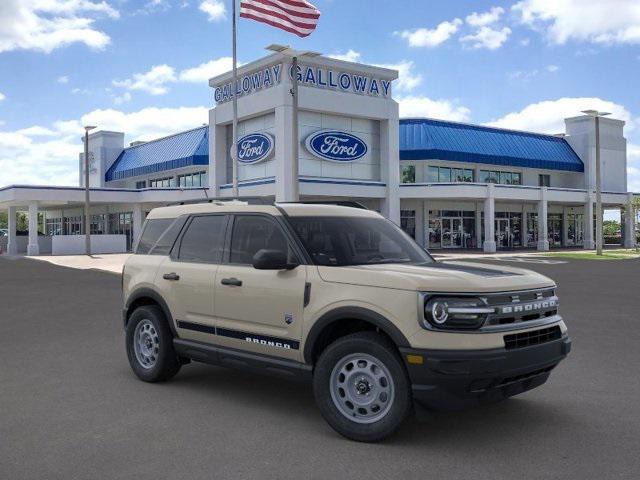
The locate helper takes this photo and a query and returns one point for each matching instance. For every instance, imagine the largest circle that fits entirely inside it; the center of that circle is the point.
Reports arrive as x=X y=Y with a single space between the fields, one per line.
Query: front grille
x=517 y=307
x=534 y=337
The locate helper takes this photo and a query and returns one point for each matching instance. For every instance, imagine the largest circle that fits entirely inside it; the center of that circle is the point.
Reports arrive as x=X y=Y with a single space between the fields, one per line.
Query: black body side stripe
x=239 y=335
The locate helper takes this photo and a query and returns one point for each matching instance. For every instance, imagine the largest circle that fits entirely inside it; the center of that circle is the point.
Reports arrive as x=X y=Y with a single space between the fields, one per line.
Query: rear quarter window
x=152 y=232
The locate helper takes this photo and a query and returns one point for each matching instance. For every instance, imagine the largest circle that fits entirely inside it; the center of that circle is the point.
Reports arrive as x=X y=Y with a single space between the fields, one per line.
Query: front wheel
x=361 y=387
x=150 y=345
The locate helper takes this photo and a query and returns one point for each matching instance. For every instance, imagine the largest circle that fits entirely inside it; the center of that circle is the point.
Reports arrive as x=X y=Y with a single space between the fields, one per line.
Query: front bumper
x=456 y=379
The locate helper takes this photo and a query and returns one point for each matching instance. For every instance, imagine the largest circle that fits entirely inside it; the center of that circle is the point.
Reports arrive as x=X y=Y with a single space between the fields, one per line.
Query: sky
x=141 y=66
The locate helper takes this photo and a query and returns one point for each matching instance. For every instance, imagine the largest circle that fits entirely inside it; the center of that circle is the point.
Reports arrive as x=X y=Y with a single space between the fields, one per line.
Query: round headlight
x=439 y=312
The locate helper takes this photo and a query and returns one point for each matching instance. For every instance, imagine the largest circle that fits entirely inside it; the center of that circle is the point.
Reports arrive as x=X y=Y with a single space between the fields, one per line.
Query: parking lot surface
x=70 y=408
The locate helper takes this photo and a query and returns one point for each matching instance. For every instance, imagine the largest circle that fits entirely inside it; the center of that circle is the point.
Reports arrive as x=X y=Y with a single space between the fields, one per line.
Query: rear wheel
x=150 y=345
x=361 y=387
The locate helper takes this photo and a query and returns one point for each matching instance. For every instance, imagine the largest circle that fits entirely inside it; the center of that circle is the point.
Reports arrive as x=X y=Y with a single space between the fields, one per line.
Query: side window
x=168 y=238
x=152 y=231
x=204 y=239
x=253 y=233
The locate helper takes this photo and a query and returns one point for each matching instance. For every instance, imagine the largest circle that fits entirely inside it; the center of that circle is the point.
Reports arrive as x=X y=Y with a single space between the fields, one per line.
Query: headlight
x=455 y=313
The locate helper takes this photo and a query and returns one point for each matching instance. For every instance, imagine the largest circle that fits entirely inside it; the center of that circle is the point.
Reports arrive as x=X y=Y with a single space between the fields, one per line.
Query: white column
x=12 y=245
x=137 y=222
x=478 y=226
x=390 y=170
x=589 y=242
x=543 y=240
x=489 y=245
x=629 y=224
x=419 y=222
x=284 y=155
x=33 y=248
x=565 y=227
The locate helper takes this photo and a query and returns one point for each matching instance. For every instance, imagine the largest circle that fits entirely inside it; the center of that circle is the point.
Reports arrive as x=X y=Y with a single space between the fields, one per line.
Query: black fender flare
x=351 y=313
x=157 y=298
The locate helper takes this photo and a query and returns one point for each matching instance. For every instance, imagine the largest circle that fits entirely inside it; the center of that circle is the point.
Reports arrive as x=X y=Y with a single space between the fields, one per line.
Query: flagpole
x=234 y=144
x=295 y=194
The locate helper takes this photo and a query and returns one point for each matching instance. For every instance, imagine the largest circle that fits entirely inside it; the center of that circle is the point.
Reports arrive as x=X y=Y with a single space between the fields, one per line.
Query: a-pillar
x=589 y=242
x=489 y=245
x=543 y=237
x=32 y=247
x=12 y=243
x=137 y=222
x=629 y=224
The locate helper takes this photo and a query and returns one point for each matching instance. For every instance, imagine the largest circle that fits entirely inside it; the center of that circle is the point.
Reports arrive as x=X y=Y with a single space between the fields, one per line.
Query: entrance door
x=504 y=238
x=451 y=232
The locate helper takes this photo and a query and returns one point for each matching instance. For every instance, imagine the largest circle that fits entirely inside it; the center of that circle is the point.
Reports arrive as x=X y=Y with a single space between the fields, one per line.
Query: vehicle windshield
x=344 y=241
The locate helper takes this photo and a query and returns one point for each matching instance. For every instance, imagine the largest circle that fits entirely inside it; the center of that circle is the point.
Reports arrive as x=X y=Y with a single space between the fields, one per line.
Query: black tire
x=381 y=349
x=166 y=363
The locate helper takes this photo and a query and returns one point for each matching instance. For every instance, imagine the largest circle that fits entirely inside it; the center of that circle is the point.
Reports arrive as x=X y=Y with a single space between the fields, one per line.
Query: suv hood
x=458 y=277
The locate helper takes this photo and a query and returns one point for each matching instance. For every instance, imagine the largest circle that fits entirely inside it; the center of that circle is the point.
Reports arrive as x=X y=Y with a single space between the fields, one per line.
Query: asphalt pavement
x=70 y=408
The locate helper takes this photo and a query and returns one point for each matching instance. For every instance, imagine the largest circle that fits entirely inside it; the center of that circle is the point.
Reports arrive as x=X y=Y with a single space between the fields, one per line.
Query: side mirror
x=272 y=260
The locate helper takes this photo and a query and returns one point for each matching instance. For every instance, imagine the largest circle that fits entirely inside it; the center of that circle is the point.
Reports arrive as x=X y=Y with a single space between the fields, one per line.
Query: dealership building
x=449 y=185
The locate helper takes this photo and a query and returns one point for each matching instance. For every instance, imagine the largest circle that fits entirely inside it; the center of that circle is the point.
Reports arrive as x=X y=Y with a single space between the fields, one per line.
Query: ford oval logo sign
x=255 y=148
x=336 y=146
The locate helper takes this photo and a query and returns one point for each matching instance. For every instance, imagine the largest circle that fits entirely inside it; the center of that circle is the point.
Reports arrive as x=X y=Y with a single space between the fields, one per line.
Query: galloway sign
x=248 y=84
x=255 y=148
x=331 y=79
x=336 y=146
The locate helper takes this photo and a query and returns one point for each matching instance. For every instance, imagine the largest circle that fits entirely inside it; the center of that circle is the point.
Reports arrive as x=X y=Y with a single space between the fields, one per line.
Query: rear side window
x=168 y=238
x=253 y=233
x=203 y=240
x=152 y=231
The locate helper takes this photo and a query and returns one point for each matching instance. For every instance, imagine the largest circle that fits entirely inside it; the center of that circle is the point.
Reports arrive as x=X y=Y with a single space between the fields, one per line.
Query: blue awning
x=427 y=139
x=183 y=149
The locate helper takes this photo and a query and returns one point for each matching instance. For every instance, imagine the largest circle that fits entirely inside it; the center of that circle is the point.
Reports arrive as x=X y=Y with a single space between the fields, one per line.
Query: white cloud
x=154 y=81
x=203 y=72
x=548 y=116
x=487 y=37
x=407 y=78
x=527 y=75
x=525 y=42
x=595 y=21
x=424 y=37
x=214 y=9
x=420 y=106
x=120 y=99
x=486 y=18
x=552 y=68
x=45 y=25
x=48 y=155
x=349 y=56
x=2 y=96
x=63 y=79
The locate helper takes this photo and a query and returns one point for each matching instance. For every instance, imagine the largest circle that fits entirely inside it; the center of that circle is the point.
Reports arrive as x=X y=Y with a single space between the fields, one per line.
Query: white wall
x=105 y=147
x=74 y=244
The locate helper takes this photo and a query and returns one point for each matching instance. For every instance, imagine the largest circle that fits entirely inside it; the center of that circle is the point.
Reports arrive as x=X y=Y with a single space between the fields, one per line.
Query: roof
x=183 y=149
x=422 y=139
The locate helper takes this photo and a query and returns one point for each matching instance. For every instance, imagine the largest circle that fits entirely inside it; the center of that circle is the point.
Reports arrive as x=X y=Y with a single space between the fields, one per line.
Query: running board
x=227 y=357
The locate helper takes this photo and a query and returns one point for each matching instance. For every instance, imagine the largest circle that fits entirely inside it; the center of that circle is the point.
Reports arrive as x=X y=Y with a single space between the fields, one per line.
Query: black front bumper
x=456 y=379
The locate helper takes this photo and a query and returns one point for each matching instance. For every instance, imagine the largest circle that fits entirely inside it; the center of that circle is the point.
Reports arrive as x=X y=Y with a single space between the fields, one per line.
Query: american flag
x=294 y=16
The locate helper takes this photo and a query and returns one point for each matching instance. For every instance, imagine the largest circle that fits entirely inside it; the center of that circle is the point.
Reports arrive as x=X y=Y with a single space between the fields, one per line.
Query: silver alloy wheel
x=362 y=388
x=146 y=344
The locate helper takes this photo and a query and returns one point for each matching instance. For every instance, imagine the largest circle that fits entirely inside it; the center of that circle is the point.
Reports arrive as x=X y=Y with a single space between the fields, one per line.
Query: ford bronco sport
x=339 y=296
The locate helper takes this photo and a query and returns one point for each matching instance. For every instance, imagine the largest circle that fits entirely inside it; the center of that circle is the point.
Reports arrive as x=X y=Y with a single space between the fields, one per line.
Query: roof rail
x=339 y=203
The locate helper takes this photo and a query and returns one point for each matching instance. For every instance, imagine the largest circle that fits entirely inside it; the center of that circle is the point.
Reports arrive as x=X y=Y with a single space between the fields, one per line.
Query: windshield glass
x=342 y=241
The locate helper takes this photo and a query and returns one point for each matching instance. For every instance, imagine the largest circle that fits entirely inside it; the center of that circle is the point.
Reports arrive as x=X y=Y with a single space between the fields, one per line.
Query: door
x=503 y=233
x=451 y=232
x=187 y=277
x=259 y=310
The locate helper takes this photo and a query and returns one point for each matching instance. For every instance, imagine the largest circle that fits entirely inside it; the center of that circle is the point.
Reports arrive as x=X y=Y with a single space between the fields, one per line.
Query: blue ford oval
x=336 y=146
x=255 y=148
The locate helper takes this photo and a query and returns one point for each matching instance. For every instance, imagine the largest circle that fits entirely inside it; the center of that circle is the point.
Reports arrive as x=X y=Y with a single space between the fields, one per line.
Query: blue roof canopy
x=426 y=139
x=176 y=151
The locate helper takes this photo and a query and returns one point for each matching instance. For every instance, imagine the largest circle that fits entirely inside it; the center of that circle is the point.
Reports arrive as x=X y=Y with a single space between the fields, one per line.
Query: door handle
x=232 y=282
x=171 y=276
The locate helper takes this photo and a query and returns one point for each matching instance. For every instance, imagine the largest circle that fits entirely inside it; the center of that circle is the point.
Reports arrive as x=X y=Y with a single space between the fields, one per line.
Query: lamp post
x=295 y=146
x=87 y=217
x=596 y=114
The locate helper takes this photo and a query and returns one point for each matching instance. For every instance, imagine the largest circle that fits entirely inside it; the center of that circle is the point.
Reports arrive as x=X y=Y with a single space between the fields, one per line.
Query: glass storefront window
x=451 y=229
x=575 y=229
x=447 y=175
x=408 y=222
x=408 y=174
x=432 y=174
x=504 y=178
x=554 y=229
x=532 y=229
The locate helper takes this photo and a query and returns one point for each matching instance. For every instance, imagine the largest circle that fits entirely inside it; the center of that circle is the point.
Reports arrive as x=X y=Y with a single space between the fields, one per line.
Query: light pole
x=596 y=114
x=295 y=146
x=87 y=217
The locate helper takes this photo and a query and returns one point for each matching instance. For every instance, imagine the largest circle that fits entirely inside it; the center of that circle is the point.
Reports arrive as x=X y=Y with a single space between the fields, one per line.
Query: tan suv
x=339 y=296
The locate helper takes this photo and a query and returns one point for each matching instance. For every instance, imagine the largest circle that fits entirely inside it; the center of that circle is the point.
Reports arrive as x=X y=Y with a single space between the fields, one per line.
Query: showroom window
x=448 y=174
x=503 y=178
x=408 y=174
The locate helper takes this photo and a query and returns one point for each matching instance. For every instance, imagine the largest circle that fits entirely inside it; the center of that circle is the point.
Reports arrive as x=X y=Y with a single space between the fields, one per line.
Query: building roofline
x=476 y=126
x=147 y=142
